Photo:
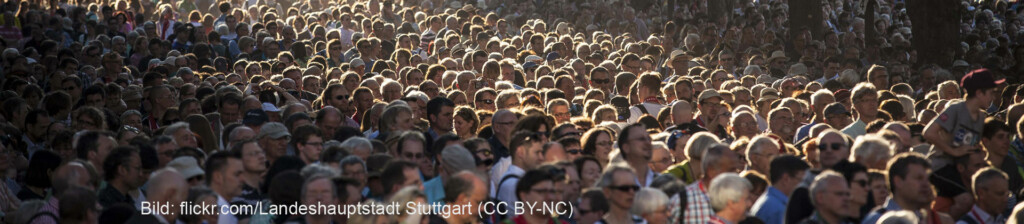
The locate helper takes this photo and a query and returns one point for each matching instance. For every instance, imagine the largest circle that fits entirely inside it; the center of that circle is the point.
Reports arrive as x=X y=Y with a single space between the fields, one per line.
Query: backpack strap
x=503 y=179
x=643 y=109
x=48 y=214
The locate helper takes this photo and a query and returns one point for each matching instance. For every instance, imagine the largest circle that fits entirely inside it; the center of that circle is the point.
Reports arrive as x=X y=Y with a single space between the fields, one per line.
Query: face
x=320 y=191
x=486 y=102
x=587 y=214
x=503 y=124
x=992 y=196
x=879 y=191
x=355 y=171
x=835 y=198
x=639 y=145
x=561 y=114
x=413 y=151
x=859 y=188
x=867 y=104
x=589 y=174
x=133 y=175
x=661 y=159
x=622 y=190
x=311 y=148
x=782 y=123
x=915 y=187
x=443 y=120
x=745 y=126
x=230 y=178
x=604 y=146
x=184 y=137
x=404 y=121
x=462 y=126
x=230 y=113
x=601 y=80
x=832 y=148
x=838 y=121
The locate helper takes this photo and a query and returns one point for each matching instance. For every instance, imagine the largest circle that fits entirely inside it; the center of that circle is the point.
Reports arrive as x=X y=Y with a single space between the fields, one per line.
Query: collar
x=652 y=99
x=775 y=193
x=160 y=219
x=221 y=201
x=647 y=180
x=980 y=215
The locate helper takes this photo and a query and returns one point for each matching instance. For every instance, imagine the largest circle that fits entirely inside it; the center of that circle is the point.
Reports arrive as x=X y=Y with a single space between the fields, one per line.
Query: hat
x=770 y=93
x=356 y=63
x=552 y=56
x=534 y=58
x=529 y=65
x=255 y=117
x=274 y=130
x=621 y=105
x=676 y=53
x=842 y=94
x=960 y=63
x=765 y=78
x=797 y=69
x=494 y=55
x=836 y=108
x=132 y=94
x=269 y=107
x=187 y=166
x=708 y=94
x=778 y=55
x=979 y=79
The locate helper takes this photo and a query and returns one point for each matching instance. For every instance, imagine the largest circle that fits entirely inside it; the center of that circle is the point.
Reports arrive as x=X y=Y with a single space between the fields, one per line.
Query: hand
x=960 y=151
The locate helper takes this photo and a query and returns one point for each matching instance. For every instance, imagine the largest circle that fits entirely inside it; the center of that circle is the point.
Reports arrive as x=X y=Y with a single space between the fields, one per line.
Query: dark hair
x=394 y=174
x=532 y=177
x=785 y=165
x=589 y=140
x=434 y=105
x=218 y=162
x=283 y=190
x=597 y=200
x=624 y=134
x=411 y=135
x=899 y=165
x=303 y=133
x=120 y=156
x=457 y=186
x=88 y=142
x=280 y=166
x=39 y=167
x=76 y=203
x=341 y=187
x=992 y=126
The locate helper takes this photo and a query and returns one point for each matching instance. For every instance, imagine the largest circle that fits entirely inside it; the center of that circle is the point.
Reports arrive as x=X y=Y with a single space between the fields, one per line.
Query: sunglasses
x=341 y=97
x=600 y=81
x=626 y=188
x=834 y=146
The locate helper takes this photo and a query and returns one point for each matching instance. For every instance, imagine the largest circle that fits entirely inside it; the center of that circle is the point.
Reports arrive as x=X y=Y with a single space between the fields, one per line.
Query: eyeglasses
x=834 y=146
x=487 y=101
x=341 y=97
x=600 y=81
x=626 y=188
x=130 y=129
x=414 y=155
x=485 y=152
x=574 y=151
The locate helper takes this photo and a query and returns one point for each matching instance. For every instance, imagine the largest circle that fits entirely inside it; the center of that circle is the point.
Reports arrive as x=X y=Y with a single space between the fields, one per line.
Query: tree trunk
x=936 y=30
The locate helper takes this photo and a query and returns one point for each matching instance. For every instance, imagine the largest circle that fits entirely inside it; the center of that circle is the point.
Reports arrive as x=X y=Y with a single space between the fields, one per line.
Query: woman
x=535 y=123
x=598 y=143
x=465 y=122
x=37 y=176
x=689 y=170
x=589 y=170
x=458 y=97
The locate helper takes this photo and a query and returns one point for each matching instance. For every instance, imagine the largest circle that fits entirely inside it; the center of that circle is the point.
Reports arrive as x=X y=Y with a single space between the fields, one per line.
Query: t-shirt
x=965 y=130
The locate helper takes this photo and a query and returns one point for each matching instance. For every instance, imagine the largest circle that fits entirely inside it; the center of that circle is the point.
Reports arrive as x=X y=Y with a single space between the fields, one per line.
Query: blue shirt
x=890 y=205
x=434 y=189
x=803 y=131
x=771 y=206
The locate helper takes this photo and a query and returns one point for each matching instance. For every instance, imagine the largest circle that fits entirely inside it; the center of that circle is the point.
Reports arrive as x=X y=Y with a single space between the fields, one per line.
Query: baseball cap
x=255 y=117
x=836 y=108
x=356 y=63
x=274 y=130
x=552 y=56
x=529 y=65
x=979 y=79
x=708 y=94
x=534 y=58
x=842 y=94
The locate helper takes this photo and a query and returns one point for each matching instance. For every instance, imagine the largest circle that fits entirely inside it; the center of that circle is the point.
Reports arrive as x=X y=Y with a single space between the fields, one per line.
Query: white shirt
x=635 y=113
x=224 y=218
x=507 y=192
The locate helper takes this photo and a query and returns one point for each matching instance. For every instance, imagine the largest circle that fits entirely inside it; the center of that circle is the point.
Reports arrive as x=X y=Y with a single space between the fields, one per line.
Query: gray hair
x=124 y=116
x=757 y=144
x=177 y=126
x=822 y=182
x=608 y=176
x=315 y=177
x=354 y=143
x=456 y=158
x=352 y=159
x=984 y=175
x=726 y=188
x=699 y=144
x=817 y=97
x=898 y=217
x=418 y=95
x=713 y=155
x=869 y=148
x=313 y=170
x=648 y=200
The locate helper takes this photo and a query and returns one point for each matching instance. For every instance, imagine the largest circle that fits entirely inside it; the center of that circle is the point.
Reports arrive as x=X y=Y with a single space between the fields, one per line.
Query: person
x=760 y=152
x=865 y=103
x=718 y=159
x=465 y=187
x=787 y=172
x=525 y=151
x=273 y=138
x=308 y=143
x=79 y=205
x=730 y=198
x=652 y=205
x=317 y=190
x=618 y=183
x=453 y=159
x=123 y=172
x=830 y=195
x=592 y=207
x=168 y=186
x=94 y=146
x=635 y=147
x=990 y=189
x=224 y=171
x=958 y=128
x=440 y=112
x=907 y=180
x=399 y=174
x=648 y=90
x=536 y=186
x=254 y=164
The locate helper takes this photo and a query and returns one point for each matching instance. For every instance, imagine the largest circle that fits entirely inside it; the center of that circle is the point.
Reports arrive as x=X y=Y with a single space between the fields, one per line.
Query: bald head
x=70 y=174
x=682 y=112
x=167 y=185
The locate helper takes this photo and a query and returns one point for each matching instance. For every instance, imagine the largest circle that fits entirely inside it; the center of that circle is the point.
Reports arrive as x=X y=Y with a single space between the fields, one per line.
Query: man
x=821 y=97
x=439 y=112
x=273 y=138
x=453 y=159
x=181 y=134
x=760 y=153
x=833 y=148
x=328 y=120
x=502 y=124
x=413 y=147
x=399 y=174
x=630 y=63
x=224 y=176
x=958 y=128
x=836 y=116
x=682 y=112
x=309 y=142
x=94 y=146
x=165 y=186
x=35 y=125
x=865 y=102
x=160 y=99
x=123 y=172
x=601 y=78
x=592 y=207
x=786 y=173
x=730 y=198
x=559 y=108
x=996 y=141
x=465 y=187
x=991 y=188
x=718 y=159
x=780 y=122
x=635 y=148
x=229 y=109
x=953 y=184
x=318 y=190
x=908 y=182
x=618 y=183
x=254 y=164
x=879 y=76
x=536 y=187
x=525 y=150
x=648 y=90
x=744 y=125
x=708 y=105
x=830 y=195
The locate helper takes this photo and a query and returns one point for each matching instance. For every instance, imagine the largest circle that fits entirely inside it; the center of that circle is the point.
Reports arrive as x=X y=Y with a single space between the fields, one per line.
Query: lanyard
x=977 y=217
x=652 y=99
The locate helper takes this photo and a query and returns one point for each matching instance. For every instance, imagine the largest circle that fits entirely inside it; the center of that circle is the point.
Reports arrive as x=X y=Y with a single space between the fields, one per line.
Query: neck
x=995 y=159
x=439 y=131
x=819 y=118
x=784 y=188
x=120 y=186
x=695 y=168
x=617 y=215
x=866 y=118
x=829 y=217
x=251 y=178
x=906 y=204
x=641 y=169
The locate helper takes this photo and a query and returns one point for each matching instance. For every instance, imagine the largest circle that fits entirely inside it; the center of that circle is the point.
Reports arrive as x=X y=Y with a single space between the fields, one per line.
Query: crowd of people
x=638 y=111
